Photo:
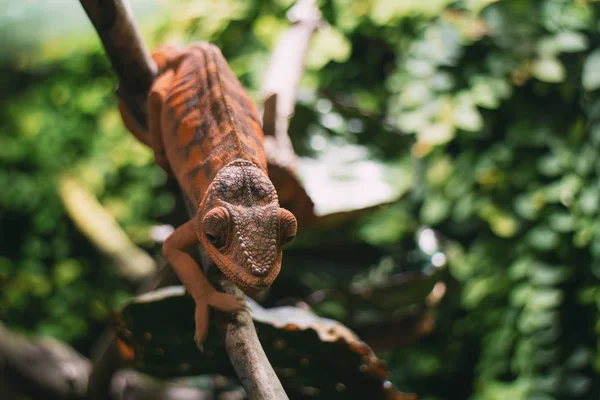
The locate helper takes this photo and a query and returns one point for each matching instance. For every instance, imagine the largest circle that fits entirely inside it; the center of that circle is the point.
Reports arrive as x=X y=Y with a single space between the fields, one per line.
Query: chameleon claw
x=199 y=342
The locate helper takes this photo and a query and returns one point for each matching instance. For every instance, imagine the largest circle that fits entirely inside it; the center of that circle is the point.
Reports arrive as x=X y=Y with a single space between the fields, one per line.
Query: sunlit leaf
x=543 y=238
x=545 y=299
x=385 y=11
x=591 y=71
x=66 y=272
x=467 y=117
x=328 y=45
x=548 y=70
x=435 y=209
x=571 y=42
x=436 y=134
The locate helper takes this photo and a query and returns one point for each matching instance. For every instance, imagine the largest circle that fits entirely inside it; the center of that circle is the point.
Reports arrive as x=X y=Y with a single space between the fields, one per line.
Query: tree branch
x=41 y=369
x=282 y=79
x=50 y=370
x=246 y=353
x=132 y=263
x=124 y=46
x=285 y=71
x=105 y=355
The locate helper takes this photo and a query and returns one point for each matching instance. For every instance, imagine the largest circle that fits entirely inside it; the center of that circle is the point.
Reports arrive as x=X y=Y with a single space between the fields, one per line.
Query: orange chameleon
x=205 y=130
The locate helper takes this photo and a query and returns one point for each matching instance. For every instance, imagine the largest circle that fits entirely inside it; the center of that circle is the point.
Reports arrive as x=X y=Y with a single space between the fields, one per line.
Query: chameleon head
x=242 y=227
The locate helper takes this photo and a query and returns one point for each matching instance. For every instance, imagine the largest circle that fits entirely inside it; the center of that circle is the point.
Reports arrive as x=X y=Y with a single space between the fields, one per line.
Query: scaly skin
x=204 y=129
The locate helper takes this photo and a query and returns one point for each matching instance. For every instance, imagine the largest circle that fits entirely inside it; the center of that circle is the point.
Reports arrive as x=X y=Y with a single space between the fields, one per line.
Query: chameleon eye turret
x=288 y=226
x=216 y=227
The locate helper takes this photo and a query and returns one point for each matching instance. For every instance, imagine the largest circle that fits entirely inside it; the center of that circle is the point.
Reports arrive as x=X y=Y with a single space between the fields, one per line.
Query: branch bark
x=285 y=72
x=50 y=370
x=246 y=353
x=128 y=54
x=105 y=355
x=131 y=263
x=41 y=369
x=284 y=75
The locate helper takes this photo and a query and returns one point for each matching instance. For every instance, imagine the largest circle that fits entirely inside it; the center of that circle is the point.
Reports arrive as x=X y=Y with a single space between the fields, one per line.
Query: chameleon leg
x=149 y=138
x=132 y=125
x=194 y=280
x=168 y=56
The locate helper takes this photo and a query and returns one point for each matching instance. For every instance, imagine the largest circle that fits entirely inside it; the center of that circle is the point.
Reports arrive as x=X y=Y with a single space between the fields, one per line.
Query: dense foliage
x=492 y=105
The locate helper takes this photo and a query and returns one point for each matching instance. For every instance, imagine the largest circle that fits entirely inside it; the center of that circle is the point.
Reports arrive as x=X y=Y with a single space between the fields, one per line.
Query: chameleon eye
x=288 y=239
x=216 y=226
x=288 y=226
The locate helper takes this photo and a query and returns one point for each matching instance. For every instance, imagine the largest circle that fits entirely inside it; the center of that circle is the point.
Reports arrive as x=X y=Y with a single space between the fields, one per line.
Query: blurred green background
x=482 y=116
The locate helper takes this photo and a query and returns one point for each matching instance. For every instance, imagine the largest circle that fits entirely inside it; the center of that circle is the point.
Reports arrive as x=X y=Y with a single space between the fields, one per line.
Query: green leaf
x=412 y=121
x=589 y=200
x=571 y=42
x=543 y=238
x=551 y=275
x=414 y=94
x=518 y=269
x=66 y=272
x=484 y=95
x=435 y=209
x=385 y=11
x=547 y=47
x=542 y=299
x=591 y=72
x=504 y=225
x=328 y=45
x=579 y=358
x=528 y=206
x=477 y=289
x=466 y=116
x=548 y=70
x=436 y=134
x=561 y=222
x=549 y=165
x=577 y=385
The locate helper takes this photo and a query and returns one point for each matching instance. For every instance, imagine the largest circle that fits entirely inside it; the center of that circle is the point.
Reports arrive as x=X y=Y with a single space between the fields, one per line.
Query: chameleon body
x=204 y=129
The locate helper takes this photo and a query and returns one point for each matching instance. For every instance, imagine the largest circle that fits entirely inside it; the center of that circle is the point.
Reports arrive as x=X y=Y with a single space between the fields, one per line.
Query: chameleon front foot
x=220 y=301
x=226 y=302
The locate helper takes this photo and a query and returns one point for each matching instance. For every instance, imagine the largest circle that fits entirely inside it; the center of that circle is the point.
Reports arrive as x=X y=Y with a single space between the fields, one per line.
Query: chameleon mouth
x=249 y=283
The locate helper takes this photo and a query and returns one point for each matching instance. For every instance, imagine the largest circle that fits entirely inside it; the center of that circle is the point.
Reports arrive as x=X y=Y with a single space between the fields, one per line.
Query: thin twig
x=283 y=77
